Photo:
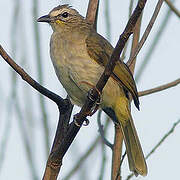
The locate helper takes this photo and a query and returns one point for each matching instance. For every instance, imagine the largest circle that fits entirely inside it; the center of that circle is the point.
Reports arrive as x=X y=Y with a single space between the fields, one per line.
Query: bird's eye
x=65 y=15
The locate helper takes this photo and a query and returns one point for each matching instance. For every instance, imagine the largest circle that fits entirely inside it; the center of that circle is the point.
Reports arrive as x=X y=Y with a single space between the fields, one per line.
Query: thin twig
x=159 y=88
x=103 y=161
x=150 y=50
x=101 y=131
x=92 y=12
x=129 y=15
x=117 y=153
x=173 y=8
x=158 y=144
x=146 y=33
x=53 y=165
x=163 y=139
x=136 y=34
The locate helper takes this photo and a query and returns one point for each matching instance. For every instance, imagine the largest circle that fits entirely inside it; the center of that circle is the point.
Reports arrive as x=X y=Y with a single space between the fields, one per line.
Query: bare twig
x=136 y=34
x=101 y=131
x=117 y=152
x=54 y=164
x=158 y=144
x=159 y=88
x=173 y=8
x=92 y=12
x=163 y=139
x=103 y=161
x=146 y=33
x=154 y=44
x=129 y=15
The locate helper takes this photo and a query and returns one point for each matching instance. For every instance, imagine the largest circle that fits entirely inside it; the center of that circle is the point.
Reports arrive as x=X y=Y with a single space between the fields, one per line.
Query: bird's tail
x=136 y=160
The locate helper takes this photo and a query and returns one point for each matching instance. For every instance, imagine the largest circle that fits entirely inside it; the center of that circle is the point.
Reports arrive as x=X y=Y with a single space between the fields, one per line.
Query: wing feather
x=100 y=50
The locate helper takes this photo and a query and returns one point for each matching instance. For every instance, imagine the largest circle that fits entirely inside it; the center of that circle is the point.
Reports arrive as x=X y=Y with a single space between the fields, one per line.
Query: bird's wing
x=100 y=50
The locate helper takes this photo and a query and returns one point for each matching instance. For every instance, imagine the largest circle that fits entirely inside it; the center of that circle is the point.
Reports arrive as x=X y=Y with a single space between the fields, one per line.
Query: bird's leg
x=98 y=101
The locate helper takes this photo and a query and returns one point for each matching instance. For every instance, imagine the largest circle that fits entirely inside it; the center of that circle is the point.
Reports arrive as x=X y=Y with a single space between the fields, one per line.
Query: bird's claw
x=98 y=101
x=86 y=122
x=91 y=97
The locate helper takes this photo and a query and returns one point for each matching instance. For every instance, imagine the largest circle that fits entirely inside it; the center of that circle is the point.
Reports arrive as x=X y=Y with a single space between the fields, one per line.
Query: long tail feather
x=137 y=163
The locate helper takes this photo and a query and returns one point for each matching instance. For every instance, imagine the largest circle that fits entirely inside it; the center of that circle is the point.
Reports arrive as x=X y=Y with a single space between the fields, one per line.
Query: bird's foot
x=86 y=122
x=91 y=97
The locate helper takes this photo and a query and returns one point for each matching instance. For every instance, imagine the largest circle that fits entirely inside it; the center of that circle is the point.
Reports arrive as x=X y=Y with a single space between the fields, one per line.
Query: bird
x=79 y=56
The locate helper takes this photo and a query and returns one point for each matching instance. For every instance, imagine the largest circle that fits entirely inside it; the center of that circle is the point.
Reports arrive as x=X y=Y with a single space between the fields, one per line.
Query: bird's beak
x=45 y=18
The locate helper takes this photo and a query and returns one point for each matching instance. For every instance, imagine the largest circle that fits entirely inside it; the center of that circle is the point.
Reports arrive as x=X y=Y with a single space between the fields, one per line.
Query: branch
x=172 y=7
x=54 y=163
x=159 y=88
x=92 y=12
x=54 y=97
x=136 y=34
x=117 y=153
x=146 y=33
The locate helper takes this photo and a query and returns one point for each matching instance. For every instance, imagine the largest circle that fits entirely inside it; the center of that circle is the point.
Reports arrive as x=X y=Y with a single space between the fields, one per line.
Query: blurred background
x=28 y=121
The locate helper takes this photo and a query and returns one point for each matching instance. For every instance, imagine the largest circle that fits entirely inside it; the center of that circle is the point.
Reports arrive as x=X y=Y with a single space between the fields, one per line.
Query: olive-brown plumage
x=79 y=55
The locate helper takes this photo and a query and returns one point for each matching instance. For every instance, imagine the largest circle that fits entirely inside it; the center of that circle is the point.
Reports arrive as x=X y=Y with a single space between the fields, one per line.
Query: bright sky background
x=158 y=111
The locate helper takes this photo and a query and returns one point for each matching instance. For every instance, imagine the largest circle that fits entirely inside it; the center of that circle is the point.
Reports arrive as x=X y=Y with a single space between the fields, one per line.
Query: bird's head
x=63 y=18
